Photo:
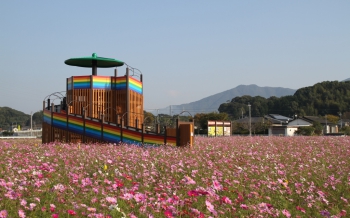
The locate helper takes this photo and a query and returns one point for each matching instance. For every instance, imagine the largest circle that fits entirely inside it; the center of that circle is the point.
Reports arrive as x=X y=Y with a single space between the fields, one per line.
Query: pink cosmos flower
x=216 y=185
x=168 y=213
x=127 y=196
x=31 y=206
x=55 y=215
x=92 y=210
x=342 y=213
x=139 y=197
x=59 y=187
x=286 y=213
x=188 y=180
x=192 y=193
x=300 y=209
x=3 y=214
x=111 y=200
x=71 y=212
x=244 y=207
x=21 y=214
x=23 y=202
x=226 y=200
x=86 y=182
x=210 y=207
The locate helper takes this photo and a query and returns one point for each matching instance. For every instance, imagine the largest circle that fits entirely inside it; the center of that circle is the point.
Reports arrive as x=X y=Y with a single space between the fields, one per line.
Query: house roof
x=315 y=119
x=278 y=119
x=299 y=122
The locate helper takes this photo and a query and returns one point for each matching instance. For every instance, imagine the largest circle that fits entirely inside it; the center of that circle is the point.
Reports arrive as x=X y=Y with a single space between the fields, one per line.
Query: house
x=286 y=126
x=293 y=125
x=279 y=125
x=344 y=122
x=327 y=126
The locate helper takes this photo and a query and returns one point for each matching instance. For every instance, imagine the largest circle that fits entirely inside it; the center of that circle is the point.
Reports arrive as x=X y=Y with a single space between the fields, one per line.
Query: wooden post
x=127 y=97
x=84 y=117
x=102 y=123
x=215 y=128
x=67 y=119
x=177 y=133
x=121 y=130
x=157 y=128
x=52 y=129
x=165 y=135
x=143 y=132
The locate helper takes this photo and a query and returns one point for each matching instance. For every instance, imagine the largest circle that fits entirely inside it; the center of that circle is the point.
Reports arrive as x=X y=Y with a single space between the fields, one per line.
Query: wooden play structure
x=105 y=109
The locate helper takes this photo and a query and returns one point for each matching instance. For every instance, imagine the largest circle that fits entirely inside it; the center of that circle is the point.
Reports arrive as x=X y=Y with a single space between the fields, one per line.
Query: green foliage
x=318 y=128
x=345 y=130
x=7 y=133
x=332 y=118
x=323 y=98
x=315 y=129
x=201 y=119
x=257 y=127
x=148 y=118
x=305 y=130
x=9 y=116
x=239 y=106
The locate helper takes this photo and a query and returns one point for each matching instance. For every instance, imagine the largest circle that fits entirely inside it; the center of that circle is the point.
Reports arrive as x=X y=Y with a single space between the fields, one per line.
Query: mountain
x=348 y=79
x=212 y=103
x=324 y=98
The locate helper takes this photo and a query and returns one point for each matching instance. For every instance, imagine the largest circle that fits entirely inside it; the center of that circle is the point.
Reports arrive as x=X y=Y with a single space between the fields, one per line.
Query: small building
x=327 y=126
x=279 y=126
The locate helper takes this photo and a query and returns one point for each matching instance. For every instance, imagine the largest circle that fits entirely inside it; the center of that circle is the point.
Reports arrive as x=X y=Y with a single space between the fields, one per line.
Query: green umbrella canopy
x=94 y=61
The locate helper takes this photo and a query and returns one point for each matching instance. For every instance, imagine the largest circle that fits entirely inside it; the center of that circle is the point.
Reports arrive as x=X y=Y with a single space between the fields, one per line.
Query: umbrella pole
x=94 y=68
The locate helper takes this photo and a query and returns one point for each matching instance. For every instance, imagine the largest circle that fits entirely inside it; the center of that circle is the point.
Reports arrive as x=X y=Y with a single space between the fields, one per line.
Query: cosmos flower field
x=217 y=177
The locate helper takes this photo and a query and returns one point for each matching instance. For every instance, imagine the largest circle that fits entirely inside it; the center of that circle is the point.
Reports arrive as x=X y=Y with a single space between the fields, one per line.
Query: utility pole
x=250 y=121
x=31 y=125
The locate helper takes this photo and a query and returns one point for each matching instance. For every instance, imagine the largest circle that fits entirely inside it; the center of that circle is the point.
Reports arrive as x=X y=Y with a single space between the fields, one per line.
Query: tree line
x=12 y=118
x=323 y=98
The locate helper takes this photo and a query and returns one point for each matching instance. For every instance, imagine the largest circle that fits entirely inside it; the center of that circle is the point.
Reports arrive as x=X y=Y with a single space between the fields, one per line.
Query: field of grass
x=217 y=177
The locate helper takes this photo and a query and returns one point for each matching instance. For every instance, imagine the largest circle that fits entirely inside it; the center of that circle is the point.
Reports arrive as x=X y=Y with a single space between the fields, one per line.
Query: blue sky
x=186 y=50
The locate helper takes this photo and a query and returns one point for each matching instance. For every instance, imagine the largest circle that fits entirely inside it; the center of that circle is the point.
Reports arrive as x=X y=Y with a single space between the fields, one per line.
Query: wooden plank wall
x=101 y=104
x=78 y=98
x=136 y=109
x=119 y=102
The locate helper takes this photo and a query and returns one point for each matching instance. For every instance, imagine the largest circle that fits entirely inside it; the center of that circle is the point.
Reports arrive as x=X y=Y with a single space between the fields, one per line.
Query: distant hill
x=324 y=98
x=212 y=103
x=348 y=79
x=11 y=117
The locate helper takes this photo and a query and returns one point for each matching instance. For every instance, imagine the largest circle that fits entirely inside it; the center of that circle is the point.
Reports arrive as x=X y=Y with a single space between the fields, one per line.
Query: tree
x=201 y=119
x=345 y=130
x=332 y=118
x=305 y=130
x=323 y=98
x=148 y=118
x=318 y=128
